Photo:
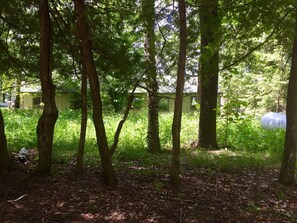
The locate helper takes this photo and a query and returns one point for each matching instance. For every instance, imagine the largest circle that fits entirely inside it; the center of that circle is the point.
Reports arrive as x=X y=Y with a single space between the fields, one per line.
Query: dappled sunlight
x=223 y=152
x=87 y=216
x=138 y=168
x=230 y=159
x=152 y=219
x=116 y=216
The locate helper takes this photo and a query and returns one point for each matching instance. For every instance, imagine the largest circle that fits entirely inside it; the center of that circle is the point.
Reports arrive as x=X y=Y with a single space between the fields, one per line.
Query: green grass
x=248 y=136
x=229 y=160
x=247 y=143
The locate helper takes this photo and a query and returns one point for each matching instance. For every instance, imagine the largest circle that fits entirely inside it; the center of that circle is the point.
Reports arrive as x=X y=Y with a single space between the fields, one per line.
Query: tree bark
x=4 y=159
x=153 y=138
x=176 y=125
x=17 y=94
x=287 y=172
x=209 y=65
x=46 y=123
x=88 y=60
x=84 y=113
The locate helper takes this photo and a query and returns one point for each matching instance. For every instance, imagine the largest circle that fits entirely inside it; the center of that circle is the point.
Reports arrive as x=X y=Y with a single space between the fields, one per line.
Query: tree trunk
x=287 y=173
x=209 y=65
x=83 y=127
x=88 y=60
x=176 y=125
x=153 y=138
x=4 y=159
x=1 y=94
x=17 y=94
x=199 y=86
x=46 y=123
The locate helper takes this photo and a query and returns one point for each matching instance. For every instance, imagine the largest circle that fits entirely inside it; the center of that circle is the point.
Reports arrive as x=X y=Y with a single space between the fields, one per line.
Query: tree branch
x=258 y=46
x=8 y=22
x=14 y=60
x=64 y=37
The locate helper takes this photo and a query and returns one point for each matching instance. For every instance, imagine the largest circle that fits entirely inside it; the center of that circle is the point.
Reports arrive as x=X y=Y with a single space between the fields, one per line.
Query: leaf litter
x=248 y=195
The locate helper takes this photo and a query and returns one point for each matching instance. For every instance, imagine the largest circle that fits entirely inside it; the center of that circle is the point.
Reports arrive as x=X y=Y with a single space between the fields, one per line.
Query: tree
x=4 y=159
x=287 y=172
x=84 y=118
x=153 y=138
x=254 y=55
x=88 y=61
x=46 y=123
x=176 y=125
x=208 y=75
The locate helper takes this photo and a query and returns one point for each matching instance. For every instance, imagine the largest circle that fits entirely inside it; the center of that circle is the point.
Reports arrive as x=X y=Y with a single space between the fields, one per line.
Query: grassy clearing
x=248 y=145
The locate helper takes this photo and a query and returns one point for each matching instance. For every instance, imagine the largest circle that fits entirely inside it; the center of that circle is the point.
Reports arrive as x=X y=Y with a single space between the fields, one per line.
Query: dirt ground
x=145 y=195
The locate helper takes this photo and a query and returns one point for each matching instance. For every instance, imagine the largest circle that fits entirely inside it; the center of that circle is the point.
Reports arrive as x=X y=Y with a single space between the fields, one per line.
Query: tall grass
x=247 y=135
x=244 y=136
x=20 y=128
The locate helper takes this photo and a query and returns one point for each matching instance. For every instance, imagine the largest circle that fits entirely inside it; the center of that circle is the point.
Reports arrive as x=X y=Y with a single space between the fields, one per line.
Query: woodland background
x=105 y=50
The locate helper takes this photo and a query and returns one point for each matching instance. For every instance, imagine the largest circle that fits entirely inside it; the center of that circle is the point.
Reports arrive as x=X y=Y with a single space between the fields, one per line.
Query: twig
x=19 y=198
x=51 y=218
x=181 y=216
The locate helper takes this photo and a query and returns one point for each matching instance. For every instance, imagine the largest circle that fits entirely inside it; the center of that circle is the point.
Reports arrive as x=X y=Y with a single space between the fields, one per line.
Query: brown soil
x=145 y=195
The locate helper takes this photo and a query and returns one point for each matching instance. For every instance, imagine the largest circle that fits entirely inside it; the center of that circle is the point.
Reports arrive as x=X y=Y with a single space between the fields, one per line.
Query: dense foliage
x=246 y=135
x=256 y=39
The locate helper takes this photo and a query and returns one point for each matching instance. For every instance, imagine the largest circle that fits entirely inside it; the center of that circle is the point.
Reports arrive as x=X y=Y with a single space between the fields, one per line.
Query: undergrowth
x=247 y=144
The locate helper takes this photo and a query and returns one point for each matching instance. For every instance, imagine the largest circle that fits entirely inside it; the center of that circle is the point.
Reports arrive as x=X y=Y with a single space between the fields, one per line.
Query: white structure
x=273 y=120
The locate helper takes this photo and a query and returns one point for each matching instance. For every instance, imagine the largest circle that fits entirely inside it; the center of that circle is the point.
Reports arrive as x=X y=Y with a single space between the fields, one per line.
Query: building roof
x=167 y=85
x=30 y=89
x=25 y=88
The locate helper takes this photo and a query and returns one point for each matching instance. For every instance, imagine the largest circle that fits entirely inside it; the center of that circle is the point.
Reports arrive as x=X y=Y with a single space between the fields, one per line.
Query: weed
x=252 y=207
x=281 y=195
x=159 y=186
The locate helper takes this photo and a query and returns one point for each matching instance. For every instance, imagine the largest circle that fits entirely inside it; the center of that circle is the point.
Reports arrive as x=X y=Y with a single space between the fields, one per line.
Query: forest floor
x=144 y=194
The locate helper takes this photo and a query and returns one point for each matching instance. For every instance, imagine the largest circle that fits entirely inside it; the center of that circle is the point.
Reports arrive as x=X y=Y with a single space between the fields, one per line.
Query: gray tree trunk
x=153 y=138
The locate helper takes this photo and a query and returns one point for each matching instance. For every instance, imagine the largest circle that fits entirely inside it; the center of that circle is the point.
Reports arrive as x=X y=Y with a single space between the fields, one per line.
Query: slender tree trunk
x=287 y=173
x=17 y=94
x=108 y=171
x=153 y=138
x=1 y=94
x=46 y=123
x=176 y=126
x=199 y=87
x=121 y=123
x=4 y=159
x=84 y=112
x=209 y=65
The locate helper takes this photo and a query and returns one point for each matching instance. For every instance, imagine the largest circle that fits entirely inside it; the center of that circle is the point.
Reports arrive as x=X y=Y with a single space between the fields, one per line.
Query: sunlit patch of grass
x=227 y=159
